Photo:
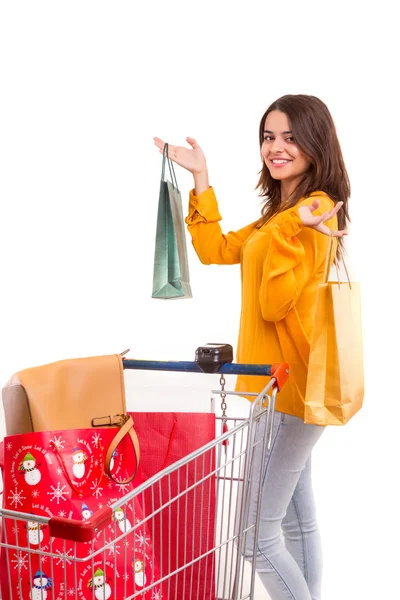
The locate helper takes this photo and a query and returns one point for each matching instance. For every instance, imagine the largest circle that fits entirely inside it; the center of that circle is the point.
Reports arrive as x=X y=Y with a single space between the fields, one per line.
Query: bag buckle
x=110 y=420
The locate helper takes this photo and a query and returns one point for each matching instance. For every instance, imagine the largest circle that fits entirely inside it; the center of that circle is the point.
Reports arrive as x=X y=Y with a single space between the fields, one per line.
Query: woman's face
x=283 y=158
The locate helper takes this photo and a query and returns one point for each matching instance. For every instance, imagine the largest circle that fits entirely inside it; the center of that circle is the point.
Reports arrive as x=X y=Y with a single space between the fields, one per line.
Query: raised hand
x=317 y=223
x=191 y=159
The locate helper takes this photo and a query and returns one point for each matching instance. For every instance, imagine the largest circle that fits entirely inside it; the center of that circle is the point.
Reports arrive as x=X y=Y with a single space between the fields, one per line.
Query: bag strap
x=328 y=261
x=170 y=167
x=126 y=429
x=347 y=273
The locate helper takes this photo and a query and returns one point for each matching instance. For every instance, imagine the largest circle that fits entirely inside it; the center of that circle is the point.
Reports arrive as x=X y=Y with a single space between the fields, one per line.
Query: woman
x=282 y=256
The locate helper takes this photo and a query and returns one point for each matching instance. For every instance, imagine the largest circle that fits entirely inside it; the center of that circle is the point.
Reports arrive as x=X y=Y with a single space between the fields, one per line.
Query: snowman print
x=29 y=469
x=78 y=460
x=100 y=585
x=35 y=533
x=123 y=523
x=41 y=583
x=86 y=512
x=138 y=568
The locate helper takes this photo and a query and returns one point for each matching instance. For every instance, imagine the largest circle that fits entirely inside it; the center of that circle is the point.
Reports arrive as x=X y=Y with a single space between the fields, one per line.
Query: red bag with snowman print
x=57 y=480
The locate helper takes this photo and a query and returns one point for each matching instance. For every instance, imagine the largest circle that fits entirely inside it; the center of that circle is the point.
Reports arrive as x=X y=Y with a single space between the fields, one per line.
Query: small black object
x=211 y=357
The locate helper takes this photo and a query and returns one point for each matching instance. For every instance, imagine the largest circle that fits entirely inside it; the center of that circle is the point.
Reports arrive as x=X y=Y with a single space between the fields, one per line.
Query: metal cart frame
x=234 y=530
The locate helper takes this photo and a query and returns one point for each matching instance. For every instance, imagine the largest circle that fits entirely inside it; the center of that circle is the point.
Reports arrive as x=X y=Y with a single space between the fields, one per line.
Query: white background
x=84 y=88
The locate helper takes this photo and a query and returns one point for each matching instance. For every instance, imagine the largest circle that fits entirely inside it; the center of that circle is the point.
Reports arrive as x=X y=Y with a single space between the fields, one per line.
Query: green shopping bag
x=171 y=269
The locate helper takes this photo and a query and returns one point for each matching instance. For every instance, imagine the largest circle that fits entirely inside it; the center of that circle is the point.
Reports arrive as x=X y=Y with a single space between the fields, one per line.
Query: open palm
x=191 y=159
x=317 y=222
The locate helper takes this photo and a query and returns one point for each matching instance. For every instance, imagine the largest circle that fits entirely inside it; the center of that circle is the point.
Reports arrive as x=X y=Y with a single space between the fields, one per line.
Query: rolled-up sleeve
x=211 y=245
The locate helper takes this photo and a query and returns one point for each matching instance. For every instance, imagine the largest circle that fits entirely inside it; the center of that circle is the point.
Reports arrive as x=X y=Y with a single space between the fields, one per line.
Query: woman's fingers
x=324 y=229
x=174 y=150
x=159 y=143
x=337 y=207
x=330 y=214
x=161 y=146
x=334 y=210
x=341 y=233
x=323 y=218
x=192 y=142
x=314 y=205
x=170 y=153
x=309 y=219
x=318 y=222
x=327 y=215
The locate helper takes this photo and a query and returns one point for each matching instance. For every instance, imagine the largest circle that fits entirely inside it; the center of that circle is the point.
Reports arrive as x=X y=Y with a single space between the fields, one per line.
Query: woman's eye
x=267 y=138
x=290 y=139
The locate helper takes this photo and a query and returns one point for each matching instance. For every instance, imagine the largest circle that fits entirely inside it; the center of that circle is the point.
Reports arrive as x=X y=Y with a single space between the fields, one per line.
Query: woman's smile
x=279 y=162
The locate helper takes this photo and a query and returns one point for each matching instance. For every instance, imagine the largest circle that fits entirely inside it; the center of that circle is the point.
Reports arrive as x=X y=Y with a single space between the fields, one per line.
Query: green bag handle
x=170 y=166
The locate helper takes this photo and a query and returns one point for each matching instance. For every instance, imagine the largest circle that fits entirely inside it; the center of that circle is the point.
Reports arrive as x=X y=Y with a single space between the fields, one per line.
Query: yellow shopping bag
x=335 y=382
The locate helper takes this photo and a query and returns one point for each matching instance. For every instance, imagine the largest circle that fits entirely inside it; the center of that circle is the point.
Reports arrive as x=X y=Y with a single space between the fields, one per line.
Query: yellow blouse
x=282 y=264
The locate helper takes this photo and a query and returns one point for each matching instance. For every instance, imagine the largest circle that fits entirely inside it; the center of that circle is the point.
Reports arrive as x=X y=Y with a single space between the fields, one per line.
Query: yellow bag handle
x=328 y=262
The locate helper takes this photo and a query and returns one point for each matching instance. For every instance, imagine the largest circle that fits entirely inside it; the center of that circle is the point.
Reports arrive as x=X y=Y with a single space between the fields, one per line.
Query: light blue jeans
x=290 y=568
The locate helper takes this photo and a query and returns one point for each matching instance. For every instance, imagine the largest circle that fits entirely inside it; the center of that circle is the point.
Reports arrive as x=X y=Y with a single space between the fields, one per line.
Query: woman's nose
x=276 y=146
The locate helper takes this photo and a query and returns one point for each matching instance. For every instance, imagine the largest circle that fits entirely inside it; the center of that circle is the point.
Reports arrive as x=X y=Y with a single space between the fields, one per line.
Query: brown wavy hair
x=315 y=134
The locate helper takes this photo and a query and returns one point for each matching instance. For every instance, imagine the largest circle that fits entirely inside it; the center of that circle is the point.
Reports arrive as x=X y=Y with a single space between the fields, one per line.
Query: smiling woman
x=283 y=157
x=301 y=154
x=282 y=258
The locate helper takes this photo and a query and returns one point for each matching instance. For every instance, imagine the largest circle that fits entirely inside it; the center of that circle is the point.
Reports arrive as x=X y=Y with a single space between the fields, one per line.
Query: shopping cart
x=221 y=484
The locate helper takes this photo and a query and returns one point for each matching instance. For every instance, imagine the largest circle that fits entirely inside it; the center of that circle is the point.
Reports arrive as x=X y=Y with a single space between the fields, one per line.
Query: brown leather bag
x=71 y=394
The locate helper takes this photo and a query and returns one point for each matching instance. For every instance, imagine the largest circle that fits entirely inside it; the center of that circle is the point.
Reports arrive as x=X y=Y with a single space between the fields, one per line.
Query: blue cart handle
x=279 y=371
x=193 y=367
